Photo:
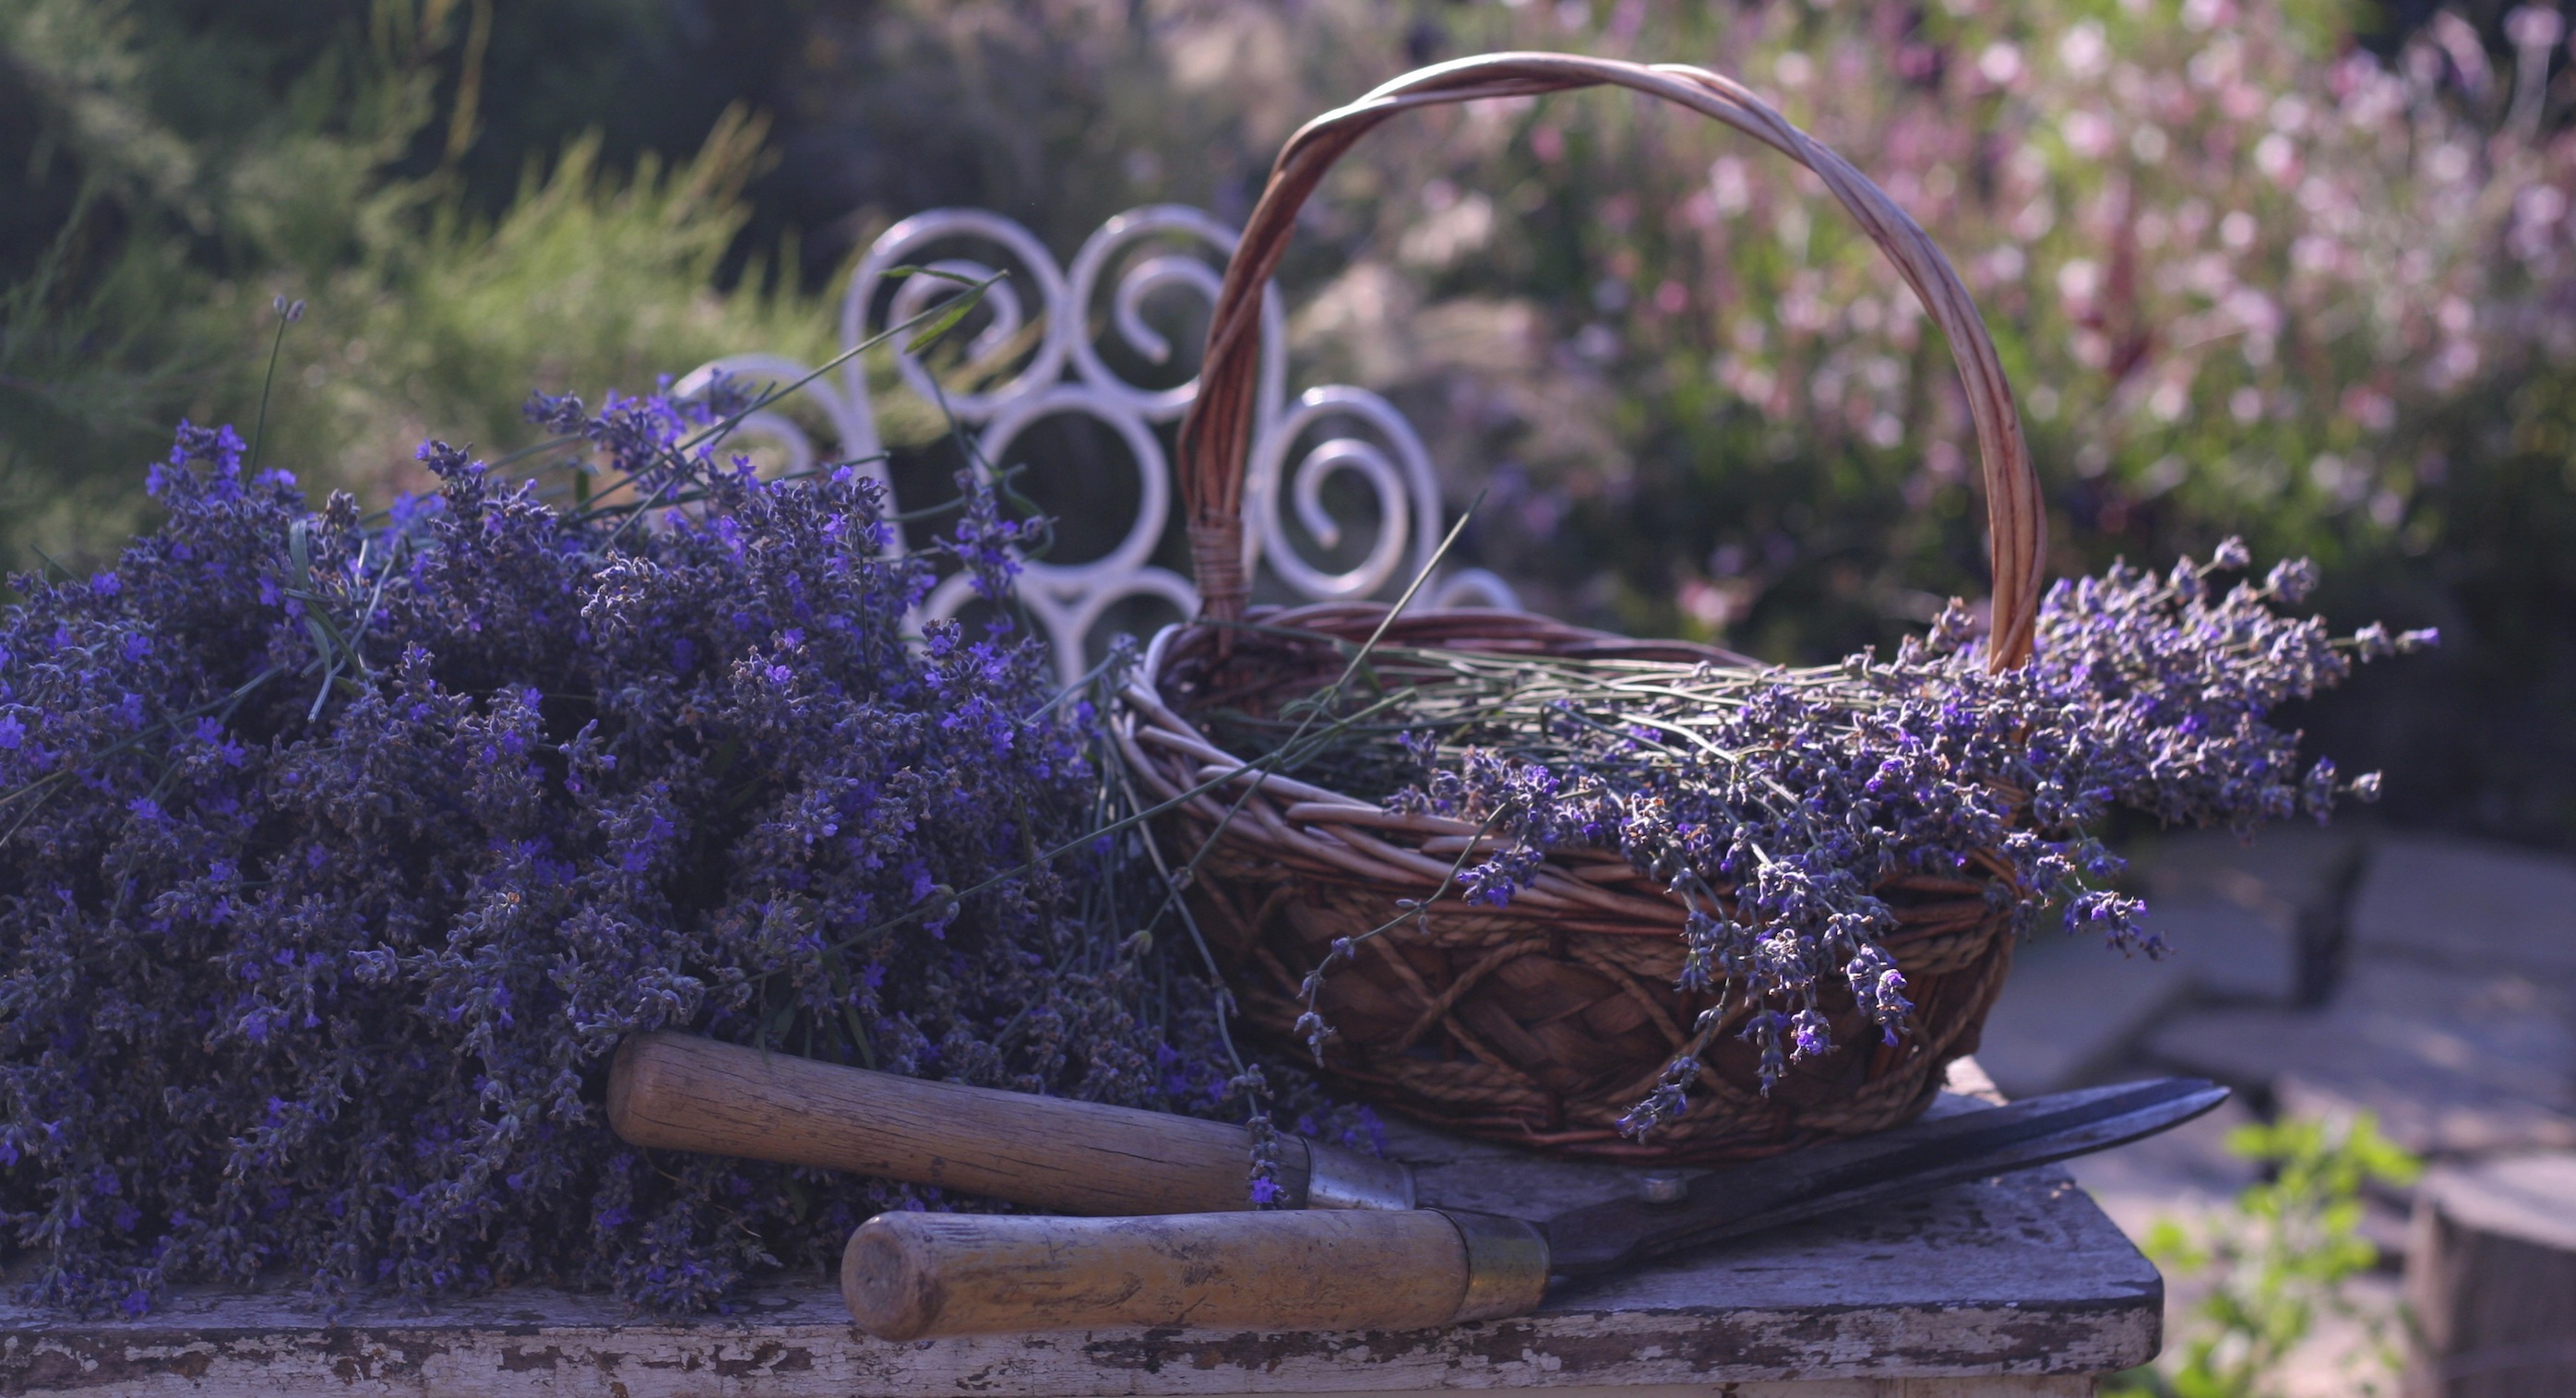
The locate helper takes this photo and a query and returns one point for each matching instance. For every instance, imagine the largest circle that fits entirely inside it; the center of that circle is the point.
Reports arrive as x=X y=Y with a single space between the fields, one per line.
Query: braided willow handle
x=1216 y=434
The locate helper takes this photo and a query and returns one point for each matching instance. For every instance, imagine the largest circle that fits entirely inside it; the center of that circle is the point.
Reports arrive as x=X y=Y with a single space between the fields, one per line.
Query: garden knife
x=680 y=1092
x=919 y=1275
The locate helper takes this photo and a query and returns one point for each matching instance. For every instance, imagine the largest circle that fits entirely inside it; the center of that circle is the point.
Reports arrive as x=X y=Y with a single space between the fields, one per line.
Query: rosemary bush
x=340 y=853
x=434 y=177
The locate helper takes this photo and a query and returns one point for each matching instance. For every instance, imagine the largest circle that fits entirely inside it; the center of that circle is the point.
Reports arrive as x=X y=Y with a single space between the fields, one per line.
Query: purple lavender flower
x=338 y=855
x=1790 y=799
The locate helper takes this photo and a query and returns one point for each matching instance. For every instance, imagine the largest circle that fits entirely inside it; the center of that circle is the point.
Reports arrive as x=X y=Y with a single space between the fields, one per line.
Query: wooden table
x=2014 y=1286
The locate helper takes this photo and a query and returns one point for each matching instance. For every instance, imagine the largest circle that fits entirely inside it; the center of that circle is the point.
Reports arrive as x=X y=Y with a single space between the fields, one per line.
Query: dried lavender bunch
x=336 y=855
x=1774 y=802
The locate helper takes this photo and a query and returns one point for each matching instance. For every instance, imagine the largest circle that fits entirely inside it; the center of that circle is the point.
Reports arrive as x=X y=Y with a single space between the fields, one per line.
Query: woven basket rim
x=1351 y=823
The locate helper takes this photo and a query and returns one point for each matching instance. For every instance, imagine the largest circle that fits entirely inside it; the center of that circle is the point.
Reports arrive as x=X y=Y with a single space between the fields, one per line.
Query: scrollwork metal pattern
x=1066 y=374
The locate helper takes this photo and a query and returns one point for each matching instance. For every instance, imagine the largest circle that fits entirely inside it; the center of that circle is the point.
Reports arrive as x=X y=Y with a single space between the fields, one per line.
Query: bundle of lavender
x=1781 y=805
x=338 y=853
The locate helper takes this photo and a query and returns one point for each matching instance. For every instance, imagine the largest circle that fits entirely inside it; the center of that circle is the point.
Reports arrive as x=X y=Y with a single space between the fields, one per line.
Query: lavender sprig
x=1776 y=804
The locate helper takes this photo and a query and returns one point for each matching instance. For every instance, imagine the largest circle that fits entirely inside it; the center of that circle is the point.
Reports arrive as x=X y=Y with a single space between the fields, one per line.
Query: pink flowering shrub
x=2227 y=268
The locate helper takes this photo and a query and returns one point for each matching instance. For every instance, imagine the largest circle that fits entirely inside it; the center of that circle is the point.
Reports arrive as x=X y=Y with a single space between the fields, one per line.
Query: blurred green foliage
x=184 y=163
x=2303 y=272
x=2275 y=1263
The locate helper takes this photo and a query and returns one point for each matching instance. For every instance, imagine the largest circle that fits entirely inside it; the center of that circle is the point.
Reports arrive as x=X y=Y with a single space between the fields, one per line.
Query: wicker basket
x=1541 y=1022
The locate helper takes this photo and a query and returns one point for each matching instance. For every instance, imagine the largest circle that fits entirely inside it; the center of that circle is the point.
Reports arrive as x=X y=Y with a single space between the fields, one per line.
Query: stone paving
x=2428 y=980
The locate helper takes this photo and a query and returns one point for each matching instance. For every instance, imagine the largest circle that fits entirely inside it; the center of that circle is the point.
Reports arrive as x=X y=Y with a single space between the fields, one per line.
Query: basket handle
x=1216 y=434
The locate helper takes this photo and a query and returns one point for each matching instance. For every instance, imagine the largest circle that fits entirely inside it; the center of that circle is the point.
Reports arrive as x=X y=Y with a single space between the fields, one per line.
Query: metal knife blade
x=1850 y=1174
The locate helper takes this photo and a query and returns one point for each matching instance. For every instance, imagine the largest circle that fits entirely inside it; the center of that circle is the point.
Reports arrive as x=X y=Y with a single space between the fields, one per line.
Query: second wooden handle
x=915 y=1276
x=680 y=1092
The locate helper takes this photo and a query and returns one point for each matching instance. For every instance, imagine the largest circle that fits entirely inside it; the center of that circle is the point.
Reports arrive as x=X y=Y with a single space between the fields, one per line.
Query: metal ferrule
x=1341 y=1179
x=1506 y=1266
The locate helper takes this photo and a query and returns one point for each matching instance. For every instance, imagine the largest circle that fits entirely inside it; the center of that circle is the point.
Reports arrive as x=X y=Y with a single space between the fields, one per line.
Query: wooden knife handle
x=911 y=1276
x=681 y=1092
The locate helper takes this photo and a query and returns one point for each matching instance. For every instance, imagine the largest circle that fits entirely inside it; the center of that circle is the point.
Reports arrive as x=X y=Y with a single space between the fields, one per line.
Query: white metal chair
x=1045 y=315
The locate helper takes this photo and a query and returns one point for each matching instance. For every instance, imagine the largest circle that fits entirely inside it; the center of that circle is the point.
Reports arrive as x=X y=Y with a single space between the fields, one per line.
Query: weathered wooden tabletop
x=2011 y=1286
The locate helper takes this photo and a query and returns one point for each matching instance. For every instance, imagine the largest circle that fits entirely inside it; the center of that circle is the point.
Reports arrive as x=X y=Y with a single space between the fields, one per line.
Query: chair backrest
x=1042 y=318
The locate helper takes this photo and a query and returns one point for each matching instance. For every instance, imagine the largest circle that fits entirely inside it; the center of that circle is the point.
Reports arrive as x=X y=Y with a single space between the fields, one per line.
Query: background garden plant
x=2276 y=1263
x=457 y=191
